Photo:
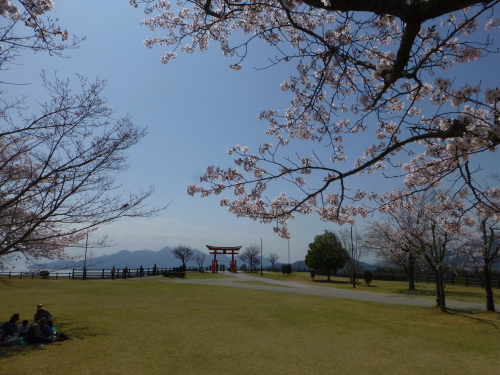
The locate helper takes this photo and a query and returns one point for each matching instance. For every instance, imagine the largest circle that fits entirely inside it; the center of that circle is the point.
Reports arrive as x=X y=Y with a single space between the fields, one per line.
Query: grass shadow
x=332 y=282
x=459 y=312
x=452 y=295
x=78 y=331
x=10 y=283
x=415 y=292
x=460 y=295
x=11 y=351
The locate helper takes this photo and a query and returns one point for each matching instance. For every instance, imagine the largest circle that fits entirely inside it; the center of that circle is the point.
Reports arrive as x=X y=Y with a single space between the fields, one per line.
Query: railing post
x=73 y=273
x=10 y=273
x=103 y=273
x=21 y=276
x=57 y=275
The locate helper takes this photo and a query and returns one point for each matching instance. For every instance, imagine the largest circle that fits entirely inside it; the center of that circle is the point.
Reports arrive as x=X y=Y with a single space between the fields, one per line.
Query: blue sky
x=195 y=108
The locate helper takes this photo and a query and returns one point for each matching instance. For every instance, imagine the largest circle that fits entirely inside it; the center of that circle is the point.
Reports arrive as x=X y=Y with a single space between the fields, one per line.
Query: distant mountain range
x=162 y=258
x=148 y=258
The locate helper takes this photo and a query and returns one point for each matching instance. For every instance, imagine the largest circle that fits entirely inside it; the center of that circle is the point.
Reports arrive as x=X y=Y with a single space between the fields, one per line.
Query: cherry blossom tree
x=353 y=241
x=393 y=246
x=482 y=249
x=58 y=171
x=393 y=238
x=438 y=227
x=58 y=164
x=365 y=68
x=26 y=25
x=481 y=252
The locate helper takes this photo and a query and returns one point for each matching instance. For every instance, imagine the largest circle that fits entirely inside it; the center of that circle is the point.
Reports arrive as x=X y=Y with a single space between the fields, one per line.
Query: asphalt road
x=313 y=290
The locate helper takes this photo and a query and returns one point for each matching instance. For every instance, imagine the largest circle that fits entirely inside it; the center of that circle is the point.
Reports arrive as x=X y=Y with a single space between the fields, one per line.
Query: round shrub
x=286 y=269
x=44 y=274
x=367 y=276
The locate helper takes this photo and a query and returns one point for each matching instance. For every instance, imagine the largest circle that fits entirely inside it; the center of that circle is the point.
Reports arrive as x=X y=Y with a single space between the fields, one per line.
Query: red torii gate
x=223 y=250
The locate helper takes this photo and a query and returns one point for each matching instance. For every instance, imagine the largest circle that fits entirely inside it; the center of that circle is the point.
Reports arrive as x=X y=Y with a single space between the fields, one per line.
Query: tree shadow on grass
x=75 y=331
x=332 y=282
x=452 y=295
x=17 y=350
x=416 y=292
x=491 y=322
x=10 y=283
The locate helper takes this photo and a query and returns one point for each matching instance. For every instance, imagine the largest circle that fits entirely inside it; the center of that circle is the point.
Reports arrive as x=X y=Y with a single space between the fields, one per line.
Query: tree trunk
x=353 y=274
x=328 y=274
x=440 y=299
x=490 y=304
x=411 y=274
x=438 y=291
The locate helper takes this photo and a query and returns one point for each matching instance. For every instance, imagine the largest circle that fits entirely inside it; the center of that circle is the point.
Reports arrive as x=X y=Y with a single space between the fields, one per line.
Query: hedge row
x=173 y=274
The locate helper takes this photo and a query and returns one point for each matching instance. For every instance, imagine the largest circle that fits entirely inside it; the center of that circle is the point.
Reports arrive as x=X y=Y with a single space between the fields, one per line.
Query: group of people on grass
x=40 y=331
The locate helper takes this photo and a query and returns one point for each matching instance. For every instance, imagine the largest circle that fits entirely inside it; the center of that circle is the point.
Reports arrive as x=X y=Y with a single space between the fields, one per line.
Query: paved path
x=313 y=290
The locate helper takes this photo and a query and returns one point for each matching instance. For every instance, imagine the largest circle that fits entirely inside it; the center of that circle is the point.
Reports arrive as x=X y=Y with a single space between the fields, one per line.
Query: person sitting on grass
x=9 y=327
x=23 y=328
x=42 y=313
x=45 y=329
x=38 y=333
x=8 y=330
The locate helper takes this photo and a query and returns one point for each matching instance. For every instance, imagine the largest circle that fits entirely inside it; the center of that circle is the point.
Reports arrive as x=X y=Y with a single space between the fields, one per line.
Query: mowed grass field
x=157 y=326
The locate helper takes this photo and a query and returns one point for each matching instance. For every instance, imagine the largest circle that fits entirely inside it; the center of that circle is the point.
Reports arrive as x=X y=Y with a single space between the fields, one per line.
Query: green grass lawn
x=207 y=275
x=153 y=325
x=453 y=292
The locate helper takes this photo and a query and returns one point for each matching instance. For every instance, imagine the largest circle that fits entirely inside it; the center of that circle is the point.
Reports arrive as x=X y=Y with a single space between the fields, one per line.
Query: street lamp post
x=261 y=257
x=85 y=261
x=288 y=251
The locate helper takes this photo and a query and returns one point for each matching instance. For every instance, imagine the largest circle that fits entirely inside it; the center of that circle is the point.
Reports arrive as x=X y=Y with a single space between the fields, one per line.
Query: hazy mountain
x=165 y=258
x=146 y=258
